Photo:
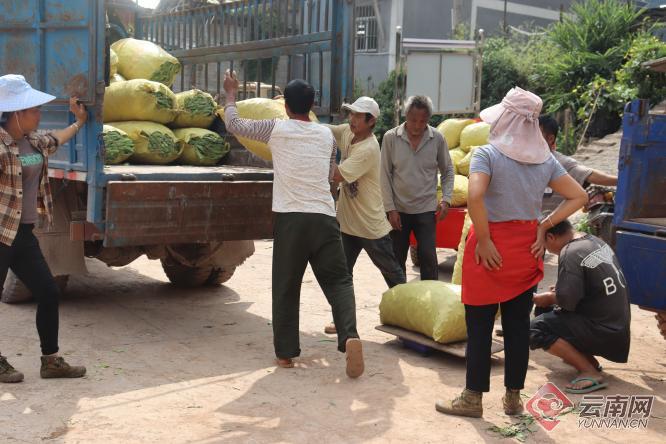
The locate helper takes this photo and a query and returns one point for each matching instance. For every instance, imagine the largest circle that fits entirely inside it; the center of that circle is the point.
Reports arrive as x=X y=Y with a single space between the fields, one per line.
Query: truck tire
x=219 y=276
x=414 y=255
x=14 y=292
x=184 y=276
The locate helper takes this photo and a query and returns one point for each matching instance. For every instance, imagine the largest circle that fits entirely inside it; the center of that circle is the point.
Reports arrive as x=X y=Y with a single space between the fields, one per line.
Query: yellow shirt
x=360 y=207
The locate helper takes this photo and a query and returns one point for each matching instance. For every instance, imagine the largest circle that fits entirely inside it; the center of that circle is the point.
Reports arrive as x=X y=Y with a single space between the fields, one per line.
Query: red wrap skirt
x=520 y=270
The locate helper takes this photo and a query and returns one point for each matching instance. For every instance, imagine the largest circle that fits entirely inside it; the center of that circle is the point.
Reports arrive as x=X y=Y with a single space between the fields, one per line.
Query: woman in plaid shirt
x=24 y=196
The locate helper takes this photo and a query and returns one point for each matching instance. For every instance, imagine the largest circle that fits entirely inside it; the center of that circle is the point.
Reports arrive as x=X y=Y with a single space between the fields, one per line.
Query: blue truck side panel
x=643 y=261
x=59 y=46
x=640 y=205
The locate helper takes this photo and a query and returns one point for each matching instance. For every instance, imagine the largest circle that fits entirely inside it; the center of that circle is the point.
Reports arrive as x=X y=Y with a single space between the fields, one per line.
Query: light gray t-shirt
x=515 y=189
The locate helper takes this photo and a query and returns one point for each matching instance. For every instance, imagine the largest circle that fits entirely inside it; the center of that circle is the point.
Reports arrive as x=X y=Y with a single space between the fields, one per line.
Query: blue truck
x=640 y=205
x=199 y=221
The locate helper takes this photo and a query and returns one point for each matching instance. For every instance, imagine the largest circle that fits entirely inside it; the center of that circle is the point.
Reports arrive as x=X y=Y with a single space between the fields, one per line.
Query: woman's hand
x=539 y=246
x=487 y=255
x=79 y=110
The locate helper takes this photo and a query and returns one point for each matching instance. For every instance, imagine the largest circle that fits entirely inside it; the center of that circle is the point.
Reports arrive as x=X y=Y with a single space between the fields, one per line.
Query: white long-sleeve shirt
x=303 y=153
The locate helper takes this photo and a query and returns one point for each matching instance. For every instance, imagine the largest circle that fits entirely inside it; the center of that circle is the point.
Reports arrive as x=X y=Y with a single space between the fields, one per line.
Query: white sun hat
x=363 y=105
x=16 y=94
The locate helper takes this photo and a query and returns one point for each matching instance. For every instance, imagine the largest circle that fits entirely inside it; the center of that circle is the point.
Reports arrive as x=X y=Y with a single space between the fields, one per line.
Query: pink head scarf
x=515 y=127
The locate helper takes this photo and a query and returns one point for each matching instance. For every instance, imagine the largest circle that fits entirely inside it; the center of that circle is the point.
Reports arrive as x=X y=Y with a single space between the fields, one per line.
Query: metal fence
x=267 y=42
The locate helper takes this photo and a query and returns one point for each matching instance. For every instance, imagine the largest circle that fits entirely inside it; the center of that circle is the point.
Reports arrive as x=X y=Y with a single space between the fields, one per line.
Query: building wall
x=372 y=67
x=431 y=19
x=427 y=19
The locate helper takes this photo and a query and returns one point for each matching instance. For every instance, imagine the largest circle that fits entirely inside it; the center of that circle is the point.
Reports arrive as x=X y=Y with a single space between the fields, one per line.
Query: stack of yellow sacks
x=146 y=122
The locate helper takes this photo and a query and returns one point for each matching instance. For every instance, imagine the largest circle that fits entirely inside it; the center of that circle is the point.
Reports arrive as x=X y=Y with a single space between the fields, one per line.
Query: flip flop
x=596 y=385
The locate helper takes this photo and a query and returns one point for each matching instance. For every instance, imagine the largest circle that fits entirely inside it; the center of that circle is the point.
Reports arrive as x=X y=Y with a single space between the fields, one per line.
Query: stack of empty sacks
x=146 y=122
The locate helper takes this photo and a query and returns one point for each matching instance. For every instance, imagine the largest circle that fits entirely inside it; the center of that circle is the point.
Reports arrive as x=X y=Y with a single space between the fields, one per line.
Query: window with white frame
x=366 y=29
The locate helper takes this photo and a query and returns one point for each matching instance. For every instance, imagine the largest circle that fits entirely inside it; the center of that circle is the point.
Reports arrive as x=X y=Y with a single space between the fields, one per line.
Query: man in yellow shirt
x=360 y=212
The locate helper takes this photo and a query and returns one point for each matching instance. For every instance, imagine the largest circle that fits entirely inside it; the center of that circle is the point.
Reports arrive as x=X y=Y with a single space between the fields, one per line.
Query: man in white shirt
x=305 y=227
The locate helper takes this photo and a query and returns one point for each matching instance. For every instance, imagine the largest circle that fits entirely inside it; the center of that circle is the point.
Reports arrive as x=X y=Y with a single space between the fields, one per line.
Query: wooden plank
x=153 y=213
x=455 y=349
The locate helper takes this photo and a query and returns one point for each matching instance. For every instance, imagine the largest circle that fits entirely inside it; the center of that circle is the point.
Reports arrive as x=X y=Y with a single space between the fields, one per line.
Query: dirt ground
x=167 y=365
x=174 y=366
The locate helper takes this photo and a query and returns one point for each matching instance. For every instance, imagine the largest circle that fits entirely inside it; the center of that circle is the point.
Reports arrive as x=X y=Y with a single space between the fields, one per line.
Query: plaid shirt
x=11 y=186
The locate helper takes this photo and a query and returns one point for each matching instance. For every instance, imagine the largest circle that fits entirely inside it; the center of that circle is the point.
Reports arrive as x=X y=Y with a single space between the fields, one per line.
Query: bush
x=501 y=71
x=600 y=40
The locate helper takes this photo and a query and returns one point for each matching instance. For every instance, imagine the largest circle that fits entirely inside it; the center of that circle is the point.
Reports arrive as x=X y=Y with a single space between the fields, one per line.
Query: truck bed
x=186 y=173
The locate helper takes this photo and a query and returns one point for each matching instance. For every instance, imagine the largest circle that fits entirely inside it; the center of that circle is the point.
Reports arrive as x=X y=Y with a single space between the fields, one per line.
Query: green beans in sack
x=118 y=146
x=141 y=59
x=196 y=109
x=201 y=147
x=139 y=100
x=154 y=144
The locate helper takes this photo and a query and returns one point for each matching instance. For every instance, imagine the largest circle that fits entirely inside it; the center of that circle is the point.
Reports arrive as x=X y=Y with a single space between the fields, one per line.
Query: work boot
x=467 y=404
x=8 y=373
x=513 y=405
x=56 y=367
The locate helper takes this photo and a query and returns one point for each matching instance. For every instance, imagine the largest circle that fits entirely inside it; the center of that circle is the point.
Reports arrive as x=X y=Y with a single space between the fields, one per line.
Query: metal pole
x=397 y=90
x=456 y=15
x=506 y=25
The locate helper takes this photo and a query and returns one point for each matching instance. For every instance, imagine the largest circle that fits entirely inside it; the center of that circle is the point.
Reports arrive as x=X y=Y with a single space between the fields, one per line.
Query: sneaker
x=513 y=404
x=8 y=373
x=330 y=329
x=355 y=365
x=467 y=404
x=56 y=367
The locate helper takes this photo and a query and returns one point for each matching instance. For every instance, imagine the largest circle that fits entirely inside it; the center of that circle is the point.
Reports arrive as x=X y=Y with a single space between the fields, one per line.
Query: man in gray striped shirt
x=305 y=228
x=412 y=154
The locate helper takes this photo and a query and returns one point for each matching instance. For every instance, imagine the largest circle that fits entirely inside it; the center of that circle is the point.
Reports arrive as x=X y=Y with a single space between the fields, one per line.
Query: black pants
x=423 y=225
x=300 y=238
x=26 y=260
x=381 y=254
x=516 y=326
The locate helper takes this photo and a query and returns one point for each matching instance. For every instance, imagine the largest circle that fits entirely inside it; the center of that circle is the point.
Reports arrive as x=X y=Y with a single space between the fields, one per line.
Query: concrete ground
x=174 y=366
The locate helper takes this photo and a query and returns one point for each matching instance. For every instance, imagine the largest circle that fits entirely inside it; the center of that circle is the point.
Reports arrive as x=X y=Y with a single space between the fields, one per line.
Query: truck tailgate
x=187 y=205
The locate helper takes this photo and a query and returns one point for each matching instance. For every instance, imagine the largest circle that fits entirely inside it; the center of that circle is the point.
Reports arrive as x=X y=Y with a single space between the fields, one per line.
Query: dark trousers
x=300 y=238
x=26 y=260
x=516 y=326
x=423 y=225
x=381 y=254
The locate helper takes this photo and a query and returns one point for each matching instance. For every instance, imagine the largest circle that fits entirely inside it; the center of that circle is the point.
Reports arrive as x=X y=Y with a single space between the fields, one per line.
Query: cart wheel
x=414 y=255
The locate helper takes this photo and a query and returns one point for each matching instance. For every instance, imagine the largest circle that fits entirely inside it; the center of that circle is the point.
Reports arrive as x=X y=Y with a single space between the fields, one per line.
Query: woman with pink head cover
x=503 y=261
